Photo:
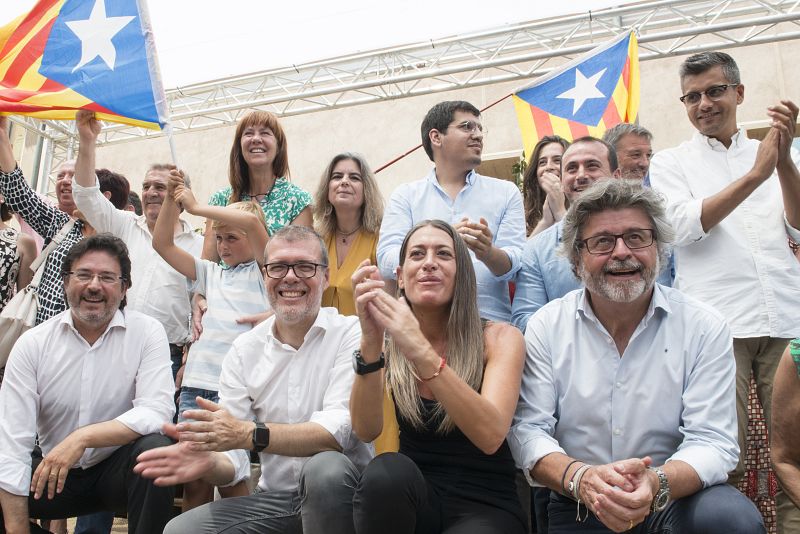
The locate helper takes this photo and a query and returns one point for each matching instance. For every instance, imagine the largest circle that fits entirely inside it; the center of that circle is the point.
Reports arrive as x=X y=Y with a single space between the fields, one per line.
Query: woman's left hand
x=396 y=317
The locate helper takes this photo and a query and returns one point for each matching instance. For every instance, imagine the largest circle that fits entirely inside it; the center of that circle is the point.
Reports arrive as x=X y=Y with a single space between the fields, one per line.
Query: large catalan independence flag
x=67 y=55
x=585 y=97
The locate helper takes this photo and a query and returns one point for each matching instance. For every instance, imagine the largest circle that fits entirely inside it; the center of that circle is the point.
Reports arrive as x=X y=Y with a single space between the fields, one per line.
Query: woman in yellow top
x=348 y=208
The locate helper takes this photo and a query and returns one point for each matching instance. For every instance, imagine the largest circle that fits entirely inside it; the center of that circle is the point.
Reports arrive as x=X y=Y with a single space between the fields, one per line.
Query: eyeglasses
x=84 y=277
x=605 y=243
x=302 y=269
x=469 y=127
x=714 y=93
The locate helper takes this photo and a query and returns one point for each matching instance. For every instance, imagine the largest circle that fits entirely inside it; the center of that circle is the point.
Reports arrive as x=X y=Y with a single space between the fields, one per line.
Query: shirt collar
x=739 y=137
x=657 y=301
x=117 y=320
x=320 y=323
x=470 y=178
x=141 y=222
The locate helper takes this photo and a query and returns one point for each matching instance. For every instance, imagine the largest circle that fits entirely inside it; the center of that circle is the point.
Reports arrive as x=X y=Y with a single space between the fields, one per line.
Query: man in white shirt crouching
x=94 y=383
x=284 y=393
x=627 y=407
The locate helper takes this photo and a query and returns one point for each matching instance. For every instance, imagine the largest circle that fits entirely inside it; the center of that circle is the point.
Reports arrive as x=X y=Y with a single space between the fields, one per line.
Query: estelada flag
x=67 y=55
x=586 y=96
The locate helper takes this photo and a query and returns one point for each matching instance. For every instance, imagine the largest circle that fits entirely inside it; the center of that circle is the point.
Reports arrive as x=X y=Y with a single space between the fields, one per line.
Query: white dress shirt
x=671 y=395
x=55 y=383
x=743 y=266
x=497 y=201
x=271 y=382
x=158 y=290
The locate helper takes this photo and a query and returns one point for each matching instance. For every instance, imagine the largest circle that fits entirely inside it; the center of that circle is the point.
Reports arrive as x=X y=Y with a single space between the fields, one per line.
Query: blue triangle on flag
x=546 y=95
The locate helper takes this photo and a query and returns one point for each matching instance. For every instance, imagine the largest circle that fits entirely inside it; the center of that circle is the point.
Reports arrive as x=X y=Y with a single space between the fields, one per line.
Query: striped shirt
x=231 y=292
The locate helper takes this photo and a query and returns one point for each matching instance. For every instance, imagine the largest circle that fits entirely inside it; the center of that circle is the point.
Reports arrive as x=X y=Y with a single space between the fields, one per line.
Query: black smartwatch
x=260 y=437
x=363 y=368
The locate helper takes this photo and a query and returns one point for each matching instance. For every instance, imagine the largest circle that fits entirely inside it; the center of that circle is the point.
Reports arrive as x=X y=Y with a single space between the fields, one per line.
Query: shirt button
x=617 y=431
x=619 y=384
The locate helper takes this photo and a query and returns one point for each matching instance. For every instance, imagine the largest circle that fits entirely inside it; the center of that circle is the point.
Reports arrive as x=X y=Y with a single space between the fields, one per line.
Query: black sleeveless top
x=457 y=467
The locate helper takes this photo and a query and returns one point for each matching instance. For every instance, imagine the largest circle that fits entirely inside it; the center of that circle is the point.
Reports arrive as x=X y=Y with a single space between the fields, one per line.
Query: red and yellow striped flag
x=66 y=55
x=585 y=97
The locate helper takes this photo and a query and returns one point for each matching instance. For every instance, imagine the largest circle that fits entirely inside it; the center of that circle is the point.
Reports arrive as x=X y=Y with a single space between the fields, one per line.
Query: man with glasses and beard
x=94 y=383
x=284 y=393
x=627 y=406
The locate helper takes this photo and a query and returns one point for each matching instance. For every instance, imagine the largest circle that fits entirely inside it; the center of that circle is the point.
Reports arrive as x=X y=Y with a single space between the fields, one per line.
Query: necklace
x=263 y=195
x=345 y=235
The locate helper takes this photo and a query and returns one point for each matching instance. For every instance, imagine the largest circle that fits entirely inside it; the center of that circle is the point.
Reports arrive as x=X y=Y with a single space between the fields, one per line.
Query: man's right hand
x=618 y=494
x=767 y=155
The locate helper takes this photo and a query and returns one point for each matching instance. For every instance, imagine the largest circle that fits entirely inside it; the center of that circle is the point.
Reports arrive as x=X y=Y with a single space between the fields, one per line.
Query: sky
x=198 y=41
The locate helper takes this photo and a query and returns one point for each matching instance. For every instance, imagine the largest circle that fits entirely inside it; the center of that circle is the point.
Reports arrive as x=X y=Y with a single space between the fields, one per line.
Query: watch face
x=661 y=501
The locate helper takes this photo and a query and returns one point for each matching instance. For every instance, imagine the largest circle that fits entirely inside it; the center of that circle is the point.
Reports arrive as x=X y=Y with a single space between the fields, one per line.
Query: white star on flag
x=585 y=89
x=96 y=33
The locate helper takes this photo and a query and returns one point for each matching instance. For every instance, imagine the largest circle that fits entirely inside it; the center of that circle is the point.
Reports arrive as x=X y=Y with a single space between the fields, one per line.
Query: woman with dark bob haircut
x=454 y=380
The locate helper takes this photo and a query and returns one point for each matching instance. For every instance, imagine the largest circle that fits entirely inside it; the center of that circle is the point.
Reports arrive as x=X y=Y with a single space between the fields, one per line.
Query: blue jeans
x=718 y=509
x=99 y=523
x=188 y=399
x=323 y=503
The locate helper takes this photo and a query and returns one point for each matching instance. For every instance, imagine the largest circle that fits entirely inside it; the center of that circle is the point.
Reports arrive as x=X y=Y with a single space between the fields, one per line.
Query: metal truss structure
x=519 y=52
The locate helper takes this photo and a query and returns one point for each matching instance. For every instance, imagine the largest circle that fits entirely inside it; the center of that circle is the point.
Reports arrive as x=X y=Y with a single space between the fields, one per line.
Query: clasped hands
x=619 y=494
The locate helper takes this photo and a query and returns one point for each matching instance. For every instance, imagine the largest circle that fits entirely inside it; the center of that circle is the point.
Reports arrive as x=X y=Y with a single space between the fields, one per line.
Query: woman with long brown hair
x=544 y=201
x=454 y=380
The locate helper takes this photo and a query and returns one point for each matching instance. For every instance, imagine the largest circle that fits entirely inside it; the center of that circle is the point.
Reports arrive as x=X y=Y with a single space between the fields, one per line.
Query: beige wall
x=384 y=130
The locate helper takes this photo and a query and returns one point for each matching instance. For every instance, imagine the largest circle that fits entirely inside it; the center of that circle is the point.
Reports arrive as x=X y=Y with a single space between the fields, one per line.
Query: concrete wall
x=384 y=130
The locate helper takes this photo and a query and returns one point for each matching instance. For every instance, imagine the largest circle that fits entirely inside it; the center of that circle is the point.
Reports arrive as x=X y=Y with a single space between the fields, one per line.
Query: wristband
x=442 y=363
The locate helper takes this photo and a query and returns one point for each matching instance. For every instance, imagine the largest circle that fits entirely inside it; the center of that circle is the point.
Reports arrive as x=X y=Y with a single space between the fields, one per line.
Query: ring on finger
x=630 y=525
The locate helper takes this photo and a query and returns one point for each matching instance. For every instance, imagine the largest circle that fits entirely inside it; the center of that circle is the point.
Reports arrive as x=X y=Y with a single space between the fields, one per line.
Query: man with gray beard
x=628 y=401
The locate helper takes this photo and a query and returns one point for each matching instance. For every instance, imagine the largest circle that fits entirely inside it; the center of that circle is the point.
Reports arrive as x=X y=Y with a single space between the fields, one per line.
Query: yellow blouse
x=340 y=296
x=340 y=291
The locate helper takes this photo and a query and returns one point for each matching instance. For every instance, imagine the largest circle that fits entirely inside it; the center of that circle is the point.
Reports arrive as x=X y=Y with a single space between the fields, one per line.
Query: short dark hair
x=613 y=163
x=111 y=245
x=135 y=201
x=439 y=118
x=116 y=184
x=700 y=63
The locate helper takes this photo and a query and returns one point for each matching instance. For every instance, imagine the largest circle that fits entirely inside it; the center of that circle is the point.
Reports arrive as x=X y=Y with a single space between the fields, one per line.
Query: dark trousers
x=393 y=497
x=718 y=509
x=110 y=485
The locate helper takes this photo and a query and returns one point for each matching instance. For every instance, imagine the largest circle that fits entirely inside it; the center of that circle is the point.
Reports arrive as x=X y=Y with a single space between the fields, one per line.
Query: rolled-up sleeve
x=19 y=403
x=153 y=404
x=709 y=426
x=530 y=293
x=335 y=413
x=683 y=209
x=510 y=236
x=98 y=210
x=397 y=221
x=533 y=427
x=234 y=397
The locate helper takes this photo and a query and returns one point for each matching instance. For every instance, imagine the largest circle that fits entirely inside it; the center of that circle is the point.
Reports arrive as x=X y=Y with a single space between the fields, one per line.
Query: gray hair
x=618 y=194
x=700 y=63
x=293 y=233
x=613 y=135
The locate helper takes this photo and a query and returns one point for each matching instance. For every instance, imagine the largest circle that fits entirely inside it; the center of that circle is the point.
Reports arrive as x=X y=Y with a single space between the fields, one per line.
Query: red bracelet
x=442 y=363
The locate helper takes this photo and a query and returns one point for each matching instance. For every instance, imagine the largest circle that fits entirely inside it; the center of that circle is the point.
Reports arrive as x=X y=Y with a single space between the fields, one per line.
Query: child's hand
x=175 y=180
x=183 y=196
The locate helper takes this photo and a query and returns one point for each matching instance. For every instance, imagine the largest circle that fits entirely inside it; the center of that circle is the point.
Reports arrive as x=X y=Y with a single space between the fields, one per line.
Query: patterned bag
x=19 y=313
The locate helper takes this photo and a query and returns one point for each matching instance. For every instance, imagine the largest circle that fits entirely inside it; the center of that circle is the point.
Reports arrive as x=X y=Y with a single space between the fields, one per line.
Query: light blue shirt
x=545 y=275
x=671 y=395
x=497 y=201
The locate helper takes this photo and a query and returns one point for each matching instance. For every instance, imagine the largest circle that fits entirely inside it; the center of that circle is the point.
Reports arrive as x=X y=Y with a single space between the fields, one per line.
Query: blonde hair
x=250 y=206
x=371 y=210
x=464 y=337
